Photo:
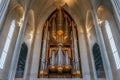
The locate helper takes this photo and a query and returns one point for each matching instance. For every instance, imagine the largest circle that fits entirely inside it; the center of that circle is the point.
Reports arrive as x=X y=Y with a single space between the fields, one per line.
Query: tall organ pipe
x=66 y=29
x=60 y=59
x=59 y=21
x=43 y=66
x=67 y=61
x=76 y=56
x=54 y=29
x=52 y=61
x=60 y=17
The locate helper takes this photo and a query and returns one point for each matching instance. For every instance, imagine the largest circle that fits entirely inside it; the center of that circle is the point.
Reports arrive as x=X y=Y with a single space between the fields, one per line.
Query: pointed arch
x=89 y=20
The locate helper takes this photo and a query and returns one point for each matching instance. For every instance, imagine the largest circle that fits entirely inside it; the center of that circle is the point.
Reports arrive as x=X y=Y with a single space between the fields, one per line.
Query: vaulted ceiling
x=76 y=8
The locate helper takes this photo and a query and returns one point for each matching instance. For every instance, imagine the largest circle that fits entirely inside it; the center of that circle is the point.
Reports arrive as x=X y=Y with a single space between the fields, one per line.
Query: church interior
x=59 y=40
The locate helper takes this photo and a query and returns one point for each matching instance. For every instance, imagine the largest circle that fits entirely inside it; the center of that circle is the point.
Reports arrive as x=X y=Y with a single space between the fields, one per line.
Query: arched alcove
x=28 y=39
x=11 y=18
x=107 y=22
x=14 y=15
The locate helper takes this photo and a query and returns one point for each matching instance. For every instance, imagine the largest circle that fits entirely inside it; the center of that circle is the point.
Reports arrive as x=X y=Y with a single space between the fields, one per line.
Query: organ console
x=62 y=47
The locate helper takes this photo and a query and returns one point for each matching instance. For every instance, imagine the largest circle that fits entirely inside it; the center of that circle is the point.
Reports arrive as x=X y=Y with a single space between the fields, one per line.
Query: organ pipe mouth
x=67 y=68
x=60 y=69
x=77 y=73
x=52 y=68
x=43 y=72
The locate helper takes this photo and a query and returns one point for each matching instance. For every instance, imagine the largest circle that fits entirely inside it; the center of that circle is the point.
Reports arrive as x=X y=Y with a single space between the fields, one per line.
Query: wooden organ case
x=60 y=51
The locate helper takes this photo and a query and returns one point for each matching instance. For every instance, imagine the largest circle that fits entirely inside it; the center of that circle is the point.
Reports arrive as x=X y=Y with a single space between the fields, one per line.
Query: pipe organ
x=60 y=55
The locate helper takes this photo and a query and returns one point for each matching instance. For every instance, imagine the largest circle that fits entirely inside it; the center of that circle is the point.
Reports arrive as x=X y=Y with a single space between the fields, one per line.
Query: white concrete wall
x=84 y=56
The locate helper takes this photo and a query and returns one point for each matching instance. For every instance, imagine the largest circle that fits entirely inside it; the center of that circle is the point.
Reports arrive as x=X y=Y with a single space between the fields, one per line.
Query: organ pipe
x=76 y=56
x=60 y=59
x=43 y=67
x=67 y=61
x=59 y=21
x=53 y=61
x=66 y=28
x=54 y=29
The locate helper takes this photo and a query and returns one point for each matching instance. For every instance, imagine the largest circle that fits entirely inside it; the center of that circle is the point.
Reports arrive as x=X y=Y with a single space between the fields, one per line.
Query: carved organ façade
x=60 y=55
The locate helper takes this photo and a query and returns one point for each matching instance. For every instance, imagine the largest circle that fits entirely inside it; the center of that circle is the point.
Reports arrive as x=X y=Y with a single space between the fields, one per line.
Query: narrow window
x=21 y=61
x=7 y=44
x=112 y=44
x=98 y=61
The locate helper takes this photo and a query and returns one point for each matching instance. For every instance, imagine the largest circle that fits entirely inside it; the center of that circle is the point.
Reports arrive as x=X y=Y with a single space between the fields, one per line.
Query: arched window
x=7 y=44
x=112 y=44
x=21 y=61
x=116 y=4
x=3 y=7
x=98 y=61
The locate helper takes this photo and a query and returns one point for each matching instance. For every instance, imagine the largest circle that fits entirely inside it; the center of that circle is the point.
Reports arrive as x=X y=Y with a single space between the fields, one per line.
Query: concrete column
x=94 y=76
x=29 y=57
x=83 y=56
x=103 y=50
x=16 y=53
x=36 y=53
x=91 y=41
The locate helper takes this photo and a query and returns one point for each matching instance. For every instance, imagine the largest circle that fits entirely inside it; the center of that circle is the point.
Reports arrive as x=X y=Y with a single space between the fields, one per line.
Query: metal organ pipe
x=60 y=59
x=60 y=19
x=67 y=61
x=53 y=61
x=76 y=56
x=43 y=67
x=54 y=29
x=66 y=28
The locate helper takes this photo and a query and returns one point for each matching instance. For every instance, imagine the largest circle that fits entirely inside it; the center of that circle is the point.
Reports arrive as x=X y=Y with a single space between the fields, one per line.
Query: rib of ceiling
x=76 y=8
